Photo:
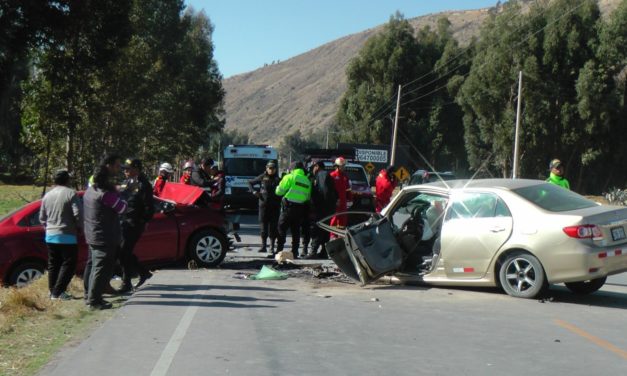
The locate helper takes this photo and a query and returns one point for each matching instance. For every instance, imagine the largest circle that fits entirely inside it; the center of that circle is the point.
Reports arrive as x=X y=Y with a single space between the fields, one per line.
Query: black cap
x=62 y=177
x=207 y=162
x=132 y=162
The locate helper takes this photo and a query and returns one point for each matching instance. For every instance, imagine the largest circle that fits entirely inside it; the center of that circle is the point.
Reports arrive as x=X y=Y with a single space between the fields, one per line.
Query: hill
x=302 y=93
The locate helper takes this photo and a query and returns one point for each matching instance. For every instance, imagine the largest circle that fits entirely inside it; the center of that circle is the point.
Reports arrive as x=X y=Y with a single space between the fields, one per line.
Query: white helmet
x=340 y=161
x=166 y=167
x=188 y=164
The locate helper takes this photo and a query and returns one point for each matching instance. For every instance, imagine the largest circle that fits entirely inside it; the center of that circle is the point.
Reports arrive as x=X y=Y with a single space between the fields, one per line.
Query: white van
x=241 y=164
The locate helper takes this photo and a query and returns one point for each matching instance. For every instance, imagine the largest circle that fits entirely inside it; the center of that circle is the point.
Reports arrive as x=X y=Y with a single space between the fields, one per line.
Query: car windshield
x=244 y=166
x=554 y=198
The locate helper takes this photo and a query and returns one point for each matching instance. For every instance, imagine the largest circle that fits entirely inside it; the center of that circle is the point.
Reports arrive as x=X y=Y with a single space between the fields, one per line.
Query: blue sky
x=249 y=33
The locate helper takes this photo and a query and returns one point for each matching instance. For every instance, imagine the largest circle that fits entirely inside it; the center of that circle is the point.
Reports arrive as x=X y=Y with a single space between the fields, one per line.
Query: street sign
x=401 y=173
x=371 y=155
x=369 y=167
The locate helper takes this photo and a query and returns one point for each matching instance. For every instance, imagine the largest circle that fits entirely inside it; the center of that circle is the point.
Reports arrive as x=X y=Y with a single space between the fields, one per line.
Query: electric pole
x=398 y=107
x=515 y=167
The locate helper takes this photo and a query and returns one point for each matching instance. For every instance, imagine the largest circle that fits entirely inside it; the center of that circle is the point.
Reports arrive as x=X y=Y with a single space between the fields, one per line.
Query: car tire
x=25 y=273
x=208 y=248
x=586 y=287
x=522 y=276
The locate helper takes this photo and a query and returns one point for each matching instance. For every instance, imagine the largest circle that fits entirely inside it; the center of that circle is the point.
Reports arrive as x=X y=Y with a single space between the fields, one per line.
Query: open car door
x=366 y=251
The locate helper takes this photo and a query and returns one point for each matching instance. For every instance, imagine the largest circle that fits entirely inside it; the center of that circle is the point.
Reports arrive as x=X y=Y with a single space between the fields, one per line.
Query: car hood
x=181 y=193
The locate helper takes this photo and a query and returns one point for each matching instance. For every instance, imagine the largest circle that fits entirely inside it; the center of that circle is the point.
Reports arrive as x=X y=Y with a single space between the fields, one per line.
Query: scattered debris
x=284 y=256
x=374 y=299
x=323 y=296
x=557 y=340
x=268 y=273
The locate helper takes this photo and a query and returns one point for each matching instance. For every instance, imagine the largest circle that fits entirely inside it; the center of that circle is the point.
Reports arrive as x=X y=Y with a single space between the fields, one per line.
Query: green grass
x=14 y=196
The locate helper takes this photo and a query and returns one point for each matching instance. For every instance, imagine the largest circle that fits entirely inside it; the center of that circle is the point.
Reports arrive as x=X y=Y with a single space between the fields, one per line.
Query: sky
x=251 y=33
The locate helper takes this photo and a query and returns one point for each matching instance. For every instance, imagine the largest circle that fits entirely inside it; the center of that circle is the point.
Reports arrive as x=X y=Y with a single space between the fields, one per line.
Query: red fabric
x=159 y=185
x=181 y=193
x=384 y=188
x=186 y=179
x=342 y=186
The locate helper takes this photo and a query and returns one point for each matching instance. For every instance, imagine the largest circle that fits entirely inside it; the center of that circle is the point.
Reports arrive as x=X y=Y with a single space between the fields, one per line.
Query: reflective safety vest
x=558 y=180
x=295 y=187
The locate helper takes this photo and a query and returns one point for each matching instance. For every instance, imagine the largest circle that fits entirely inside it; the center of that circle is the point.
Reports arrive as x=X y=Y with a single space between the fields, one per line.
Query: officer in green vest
x=295 y=188
x=557 y=174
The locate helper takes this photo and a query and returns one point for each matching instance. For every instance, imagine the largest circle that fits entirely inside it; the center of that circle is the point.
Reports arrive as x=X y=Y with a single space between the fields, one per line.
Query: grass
x=33 y=327
x=14 y=196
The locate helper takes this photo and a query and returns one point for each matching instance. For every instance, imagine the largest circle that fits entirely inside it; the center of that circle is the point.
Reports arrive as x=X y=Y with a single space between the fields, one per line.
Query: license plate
x=618 y=233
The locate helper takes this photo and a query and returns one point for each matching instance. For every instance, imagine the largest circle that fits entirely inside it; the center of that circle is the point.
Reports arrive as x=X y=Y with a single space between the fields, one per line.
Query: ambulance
x=241 y=164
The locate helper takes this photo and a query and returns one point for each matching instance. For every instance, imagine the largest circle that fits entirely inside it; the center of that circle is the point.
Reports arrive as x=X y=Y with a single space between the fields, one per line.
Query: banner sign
x=371 y=155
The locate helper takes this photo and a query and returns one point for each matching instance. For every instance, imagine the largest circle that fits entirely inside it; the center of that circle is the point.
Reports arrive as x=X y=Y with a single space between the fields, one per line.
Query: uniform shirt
x=342 y=187
x=267 y=189
x=295 y=187
x=558 y=180
x=138 y=194
x=384 y=188
x=323 y=196
x=159 y=185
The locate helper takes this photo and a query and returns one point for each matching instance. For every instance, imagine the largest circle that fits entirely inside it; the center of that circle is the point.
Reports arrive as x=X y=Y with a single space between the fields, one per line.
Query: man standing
x=61 y=215
x=385 y=185
x=557 y=174
x=343 y=189
x=200 y=176
x=186 y=177
x=218 y=188
x=264 y=187
x=165 y=171
x=295 y=188
x=323 y=199
x=138 y=194
x=102 y=206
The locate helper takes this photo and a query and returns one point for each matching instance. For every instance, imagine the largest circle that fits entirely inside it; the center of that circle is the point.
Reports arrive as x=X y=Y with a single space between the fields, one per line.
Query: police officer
x=323 y=199
x=295 y=188
x=264 y=187
x=137 y=191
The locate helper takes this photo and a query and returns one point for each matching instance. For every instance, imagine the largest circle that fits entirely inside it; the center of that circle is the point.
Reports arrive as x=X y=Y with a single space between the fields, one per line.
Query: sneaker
x=142 y=279
x=62 y=296
x=103 y=304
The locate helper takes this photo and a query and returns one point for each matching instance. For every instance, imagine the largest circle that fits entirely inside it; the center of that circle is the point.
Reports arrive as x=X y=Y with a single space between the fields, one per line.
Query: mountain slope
x=303 y=93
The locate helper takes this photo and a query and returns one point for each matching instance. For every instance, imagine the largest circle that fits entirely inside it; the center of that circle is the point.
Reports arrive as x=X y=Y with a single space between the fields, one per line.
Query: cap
x=555 y=164
x=166 y=167
x=132 y=162
x=271 y=164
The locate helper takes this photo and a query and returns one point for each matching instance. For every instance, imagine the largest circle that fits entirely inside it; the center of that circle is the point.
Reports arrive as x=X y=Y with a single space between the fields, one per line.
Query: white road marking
x=167 y=356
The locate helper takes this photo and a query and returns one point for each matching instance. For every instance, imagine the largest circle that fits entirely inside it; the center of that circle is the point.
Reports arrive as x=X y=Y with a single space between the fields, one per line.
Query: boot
x=272 y=241
x=264 y=242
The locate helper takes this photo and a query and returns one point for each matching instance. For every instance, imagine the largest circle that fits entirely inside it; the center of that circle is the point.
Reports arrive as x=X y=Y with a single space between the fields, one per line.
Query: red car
x=181 y=229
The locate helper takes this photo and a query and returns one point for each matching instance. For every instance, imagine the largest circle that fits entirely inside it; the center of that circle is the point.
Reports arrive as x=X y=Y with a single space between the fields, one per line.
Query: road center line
x=596 y=340
x=167 y=356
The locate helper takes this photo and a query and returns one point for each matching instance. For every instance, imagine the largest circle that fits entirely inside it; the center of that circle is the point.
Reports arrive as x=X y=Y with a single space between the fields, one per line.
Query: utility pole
x=398 y=107
x=327 y=138
x=515 y=167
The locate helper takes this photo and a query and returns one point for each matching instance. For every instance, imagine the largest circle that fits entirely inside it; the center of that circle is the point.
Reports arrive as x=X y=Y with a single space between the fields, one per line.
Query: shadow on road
x=209 y=297
x=185 y=303
x=607 y=299
x=162 y=287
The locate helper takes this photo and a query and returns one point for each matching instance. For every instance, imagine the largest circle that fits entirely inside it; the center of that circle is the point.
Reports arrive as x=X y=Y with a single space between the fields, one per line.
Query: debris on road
x=268 y=273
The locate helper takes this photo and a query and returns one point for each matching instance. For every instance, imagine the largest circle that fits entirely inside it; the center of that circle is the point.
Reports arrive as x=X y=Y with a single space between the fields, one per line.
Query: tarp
x=267 y=273
x=181 y=193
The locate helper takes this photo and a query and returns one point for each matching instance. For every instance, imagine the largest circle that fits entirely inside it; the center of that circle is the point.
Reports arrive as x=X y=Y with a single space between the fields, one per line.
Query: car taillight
x=584 y=232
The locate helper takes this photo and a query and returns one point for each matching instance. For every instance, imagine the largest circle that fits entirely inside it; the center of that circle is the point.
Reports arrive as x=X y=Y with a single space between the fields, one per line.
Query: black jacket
x=266 y=185
x=323 y=193
x=200 y=178
x=138 y=194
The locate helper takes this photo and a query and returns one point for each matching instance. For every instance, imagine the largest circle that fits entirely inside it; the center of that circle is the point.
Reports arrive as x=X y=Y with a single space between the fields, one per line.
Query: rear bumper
x=589 y=263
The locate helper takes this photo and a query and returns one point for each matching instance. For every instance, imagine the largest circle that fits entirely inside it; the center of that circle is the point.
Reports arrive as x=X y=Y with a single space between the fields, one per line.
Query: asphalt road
x=213 y=322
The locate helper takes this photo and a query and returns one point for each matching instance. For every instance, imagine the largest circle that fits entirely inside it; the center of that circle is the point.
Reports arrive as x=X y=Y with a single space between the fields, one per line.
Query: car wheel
x=26 y=273
x=522 y=276
x=586 y=287
x=208 y=248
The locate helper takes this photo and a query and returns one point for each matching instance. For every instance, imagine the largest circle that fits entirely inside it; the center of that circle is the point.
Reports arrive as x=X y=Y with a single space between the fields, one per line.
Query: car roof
x=508 y=184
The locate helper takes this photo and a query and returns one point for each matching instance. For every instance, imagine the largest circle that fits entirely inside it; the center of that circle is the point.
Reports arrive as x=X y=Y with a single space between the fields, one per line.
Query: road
x=213 y=322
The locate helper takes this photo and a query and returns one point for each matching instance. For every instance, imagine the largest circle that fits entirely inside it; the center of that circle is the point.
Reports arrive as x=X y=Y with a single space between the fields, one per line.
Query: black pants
x=320 y=236
x=269 y=221
x=131 y=233
x=98 y=271
x=291 y=217
x=61 y=266
x=305 y=227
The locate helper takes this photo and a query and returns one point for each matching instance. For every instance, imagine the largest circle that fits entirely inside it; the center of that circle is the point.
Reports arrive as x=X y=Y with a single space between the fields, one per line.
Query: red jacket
x=159 y=185
x=186 y=179
x=384 y=188
x=343 y=188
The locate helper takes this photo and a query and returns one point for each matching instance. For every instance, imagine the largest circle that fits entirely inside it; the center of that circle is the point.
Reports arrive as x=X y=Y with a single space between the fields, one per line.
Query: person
x=556 y=175
x=323 y=199
x=201 y=176
x=61 y=215
x=384 y=186
x=186 y=177
x=264 y=188
x=218 y=188
x=343 y=189
x=295 y=189
x=102 y=206
x=138 y=194
x=165 y=171
x=307 y=220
